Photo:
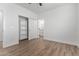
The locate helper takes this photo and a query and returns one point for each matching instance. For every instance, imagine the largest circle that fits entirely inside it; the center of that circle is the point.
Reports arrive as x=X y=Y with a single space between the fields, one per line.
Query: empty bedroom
x=39 y=29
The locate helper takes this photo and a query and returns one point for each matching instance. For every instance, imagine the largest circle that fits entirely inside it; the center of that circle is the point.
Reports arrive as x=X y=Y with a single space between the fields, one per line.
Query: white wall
x=61 y=24
x=11 y=30
x=1 y=24
x=78 y=24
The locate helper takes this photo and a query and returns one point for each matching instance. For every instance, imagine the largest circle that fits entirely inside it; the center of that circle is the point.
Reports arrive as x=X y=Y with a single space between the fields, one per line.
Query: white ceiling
x=39 y=9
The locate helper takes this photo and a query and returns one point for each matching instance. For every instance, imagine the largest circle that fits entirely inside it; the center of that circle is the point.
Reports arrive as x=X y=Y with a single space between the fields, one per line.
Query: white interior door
x=23 y=27
x=1 y=26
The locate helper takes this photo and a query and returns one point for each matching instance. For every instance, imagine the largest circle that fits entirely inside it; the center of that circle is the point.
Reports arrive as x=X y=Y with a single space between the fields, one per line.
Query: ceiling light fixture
x=40 y=4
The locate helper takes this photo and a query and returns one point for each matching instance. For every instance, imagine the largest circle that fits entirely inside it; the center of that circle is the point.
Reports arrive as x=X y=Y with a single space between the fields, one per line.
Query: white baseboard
x=9 y=44
x=75 y=44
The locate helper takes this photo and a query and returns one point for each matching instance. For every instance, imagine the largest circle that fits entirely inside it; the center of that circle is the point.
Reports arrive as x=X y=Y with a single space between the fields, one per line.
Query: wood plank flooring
x=0 y=44
x=35 y=47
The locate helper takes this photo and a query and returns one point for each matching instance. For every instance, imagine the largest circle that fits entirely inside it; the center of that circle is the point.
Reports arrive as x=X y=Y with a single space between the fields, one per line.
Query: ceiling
x=35 y=7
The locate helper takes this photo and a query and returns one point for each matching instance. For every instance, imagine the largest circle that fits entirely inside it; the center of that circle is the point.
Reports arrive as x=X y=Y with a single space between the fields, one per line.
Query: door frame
x=27 y=26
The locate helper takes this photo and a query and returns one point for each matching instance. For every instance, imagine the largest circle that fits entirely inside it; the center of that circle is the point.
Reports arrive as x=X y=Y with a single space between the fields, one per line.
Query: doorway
x=1 y=29
x=23 y=28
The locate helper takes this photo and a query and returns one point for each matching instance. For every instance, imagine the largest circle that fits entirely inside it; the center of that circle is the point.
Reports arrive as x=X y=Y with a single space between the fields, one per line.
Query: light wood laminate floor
x=40 y=48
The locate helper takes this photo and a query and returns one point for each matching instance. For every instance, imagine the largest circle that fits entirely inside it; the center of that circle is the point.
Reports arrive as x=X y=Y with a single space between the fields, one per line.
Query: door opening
x=1 y=29
x=23 y=28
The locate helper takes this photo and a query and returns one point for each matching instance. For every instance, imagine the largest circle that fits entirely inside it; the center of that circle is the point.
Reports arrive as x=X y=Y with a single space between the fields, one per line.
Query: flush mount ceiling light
x=40 y=4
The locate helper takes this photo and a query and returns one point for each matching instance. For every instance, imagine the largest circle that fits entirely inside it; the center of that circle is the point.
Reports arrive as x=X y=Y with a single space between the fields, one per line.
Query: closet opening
x=23 y=28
